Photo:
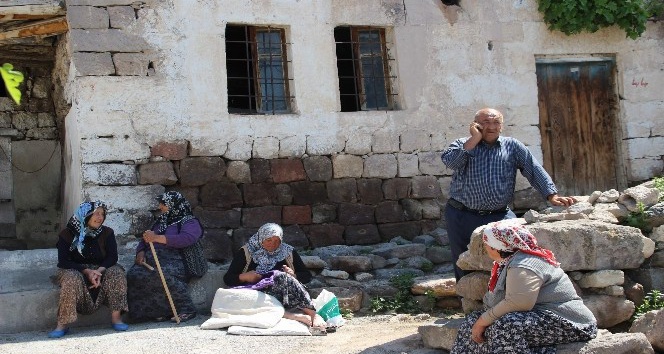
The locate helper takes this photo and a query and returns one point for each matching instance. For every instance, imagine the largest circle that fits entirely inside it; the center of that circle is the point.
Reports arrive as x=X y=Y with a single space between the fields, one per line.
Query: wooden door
x=578 y=123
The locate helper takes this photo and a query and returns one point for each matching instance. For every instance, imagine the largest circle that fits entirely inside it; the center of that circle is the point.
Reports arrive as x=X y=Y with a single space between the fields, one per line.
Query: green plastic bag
x=327 y=306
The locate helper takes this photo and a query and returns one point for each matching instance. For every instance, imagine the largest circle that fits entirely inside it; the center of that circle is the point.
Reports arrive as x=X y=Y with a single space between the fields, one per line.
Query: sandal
x=331 y=329
x=317 y=331
x=184 y=317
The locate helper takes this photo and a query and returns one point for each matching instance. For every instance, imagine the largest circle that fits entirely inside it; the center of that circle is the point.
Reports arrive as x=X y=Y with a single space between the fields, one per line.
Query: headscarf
x=78 y=225
x=512 y=237
x=179 y=210
x=265 y=260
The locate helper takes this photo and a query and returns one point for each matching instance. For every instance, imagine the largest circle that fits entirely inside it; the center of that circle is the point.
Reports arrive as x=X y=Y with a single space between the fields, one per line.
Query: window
x=257 y=70
x=364 y=71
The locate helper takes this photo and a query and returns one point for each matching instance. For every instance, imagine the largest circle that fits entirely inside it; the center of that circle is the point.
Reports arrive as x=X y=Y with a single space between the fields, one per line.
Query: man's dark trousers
x=460 y=226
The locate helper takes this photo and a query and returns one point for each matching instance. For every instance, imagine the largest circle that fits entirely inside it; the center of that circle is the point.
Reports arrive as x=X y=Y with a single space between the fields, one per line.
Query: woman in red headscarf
x=531 y=304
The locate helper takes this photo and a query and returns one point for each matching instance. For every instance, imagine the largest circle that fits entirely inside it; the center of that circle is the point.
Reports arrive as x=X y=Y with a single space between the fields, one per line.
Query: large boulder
x=652 y=325
x=578 y=245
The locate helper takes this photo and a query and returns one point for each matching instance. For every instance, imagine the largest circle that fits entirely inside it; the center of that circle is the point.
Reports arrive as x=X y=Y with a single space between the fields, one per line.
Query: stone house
x=328 y=117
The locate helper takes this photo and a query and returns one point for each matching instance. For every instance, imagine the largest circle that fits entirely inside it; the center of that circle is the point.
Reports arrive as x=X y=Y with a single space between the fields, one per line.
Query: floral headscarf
x=511 y=237
x=179 y=210
x=265 y=260
x=78 y=226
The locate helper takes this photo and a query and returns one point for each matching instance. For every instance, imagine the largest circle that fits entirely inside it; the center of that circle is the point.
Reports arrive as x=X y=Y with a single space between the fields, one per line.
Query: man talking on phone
x=482 y=187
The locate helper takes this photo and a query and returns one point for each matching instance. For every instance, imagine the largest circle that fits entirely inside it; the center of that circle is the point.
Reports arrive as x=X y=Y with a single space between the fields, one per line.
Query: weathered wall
x=155 y=74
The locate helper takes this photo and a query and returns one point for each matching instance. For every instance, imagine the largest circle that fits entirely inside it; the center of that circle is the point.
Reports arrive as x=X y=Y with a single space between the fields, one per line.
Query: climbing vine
x=576 y=16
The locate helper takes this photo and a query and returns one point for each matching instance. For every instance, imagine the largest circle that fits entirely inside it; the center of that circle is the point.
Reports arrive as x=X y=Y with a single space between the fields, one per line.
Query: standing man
x=482 y=186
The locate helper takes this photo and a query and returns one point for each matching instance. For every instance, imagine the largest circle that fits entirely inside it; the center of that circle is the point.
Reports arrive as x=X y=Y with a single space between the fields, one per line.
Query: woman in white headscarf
x=531 y=304
x=268 y=264
x=88 y=273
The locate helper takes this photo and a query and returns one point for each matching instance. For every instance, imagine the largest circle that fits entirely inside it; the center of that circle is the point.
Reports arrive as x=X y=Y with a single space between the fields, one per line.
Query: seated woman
x=175 y=228
x=265 y=255
x=531 y=304
x=89 y=275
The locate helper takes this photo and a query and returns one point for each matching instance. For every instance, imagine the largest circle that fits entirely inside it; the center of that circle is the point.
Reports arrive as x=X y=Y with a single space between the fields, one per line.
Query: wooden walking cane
x=163 y=281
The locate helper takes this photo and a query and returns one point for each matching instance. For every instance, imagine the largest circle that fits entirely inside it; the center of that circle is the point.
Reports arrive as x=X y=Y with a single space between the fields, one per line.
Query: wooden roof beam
x=48 y=8
x=45 y=28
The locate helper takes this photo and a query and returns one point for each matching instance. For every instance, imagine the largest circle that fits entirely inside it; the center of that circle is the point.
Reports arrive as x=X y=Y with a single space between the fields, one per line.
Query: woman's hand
x=94 y=277
x=477 y=332
x=250 y=277
x=286 y=269
x=140 y=258
x=151 y=236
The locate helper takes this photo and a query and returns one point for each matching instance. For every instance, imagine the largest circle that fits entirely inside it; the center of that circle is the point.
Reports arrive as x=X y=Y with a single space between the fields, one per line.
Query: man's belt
x=458 y=205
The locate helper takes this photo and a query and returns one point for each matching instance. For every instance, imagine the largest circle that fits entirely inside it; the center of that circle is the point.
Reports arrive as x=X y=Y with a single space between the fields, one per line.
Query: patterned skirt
x=290 y=292
x=529 y=332
x=145 y=292
x=75 y=297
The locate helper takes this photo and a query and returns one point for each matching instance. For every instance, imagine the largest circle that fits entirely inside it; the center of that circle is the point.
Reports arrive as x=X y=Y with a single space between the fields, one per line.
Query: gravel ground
x=383 y=334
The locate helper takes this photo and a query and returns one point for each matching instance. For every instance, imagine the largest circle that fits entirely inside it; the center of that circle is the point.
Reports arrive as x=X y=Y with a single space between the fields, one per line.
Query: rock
x=451 y=303
x=440 y=286
x=619 y=343
x=473 y=286
x=426 y=240
x=440 y=334
x=620 y=309
x=578 y=245
x=379 y=287
x=618 y=210
x=339 y=274
x=651 y=324
x=601 y=279
x=655 y=215
x=630 y=197
x=603 y=216
x=351 y=264
x=609 y=196
x=363 y=277
x=418 y=262
x=438 y=255
x=468 y=305
x=633 y=291
x=400 y=251
x=393 y=272
x=592 y=198
x=313 y=262
x=532 y=216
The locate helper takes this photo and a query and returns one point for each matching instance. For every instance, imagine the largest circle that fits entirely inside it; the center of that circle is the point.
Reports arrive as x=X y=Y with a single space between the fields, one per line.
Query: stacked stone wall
x=320 y=200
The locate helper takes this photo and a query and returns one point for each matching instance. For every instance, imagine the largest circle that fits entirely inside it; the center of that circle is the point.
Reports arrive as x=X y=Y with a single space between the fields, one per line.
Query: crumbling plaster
x=449 y=62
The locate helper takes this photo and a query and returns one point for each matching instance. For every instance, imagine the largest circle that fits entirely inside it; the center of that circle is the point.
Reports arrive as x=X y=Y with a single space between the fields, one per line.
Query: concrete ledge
x=33 y=310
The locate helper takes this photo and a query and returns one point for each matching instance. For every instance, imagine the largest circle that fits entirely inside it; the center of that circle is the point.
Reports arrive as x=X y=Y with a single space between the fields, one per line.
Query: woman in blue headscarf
x=88 y=273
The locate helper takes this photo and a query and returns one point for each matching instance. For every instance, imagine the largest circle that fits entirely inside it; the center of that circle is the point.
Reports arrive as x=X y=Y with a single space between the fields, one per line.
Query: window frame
x=360 y=76
x=253 y=59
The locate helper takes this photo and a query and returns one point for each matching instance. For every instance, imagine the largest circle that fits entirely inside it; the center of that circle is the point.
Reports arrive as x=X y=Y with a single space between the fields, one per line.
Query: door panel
x=578 y=113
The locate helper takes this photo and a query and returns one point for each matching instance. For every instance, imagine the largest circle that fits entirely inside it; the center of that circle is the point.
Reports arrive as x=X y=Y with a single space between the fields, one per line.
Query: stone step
x=442 y=333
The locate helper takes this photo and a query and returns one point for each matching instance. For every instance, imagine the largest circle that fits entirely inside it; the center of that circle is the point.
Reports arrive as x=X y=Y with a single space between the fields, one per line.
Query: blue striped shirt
x=484 y=177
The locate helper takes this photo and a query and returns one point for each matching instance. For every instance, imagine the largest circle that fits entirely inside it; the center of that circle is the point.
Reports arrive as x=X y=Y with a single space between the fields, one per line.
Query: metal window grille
x=257 y=64
x=363 y=64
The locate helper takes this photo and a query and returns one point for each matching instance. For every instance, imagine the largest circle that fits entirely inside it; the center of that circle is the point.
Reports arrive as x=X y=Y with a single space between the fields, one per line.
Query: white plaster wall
x=445 y=73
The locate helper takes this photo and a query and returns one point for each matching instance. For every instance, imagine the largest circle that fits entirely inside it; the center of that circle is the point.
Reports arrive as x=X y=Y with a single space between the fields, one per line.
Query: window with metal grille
x=257 y=67
x=363 y=63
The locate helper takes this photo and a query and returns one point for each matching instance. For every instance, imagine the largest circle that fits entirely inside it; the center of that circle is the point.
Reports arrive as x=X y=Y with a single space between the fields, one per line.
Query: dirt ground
x=385 y=334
